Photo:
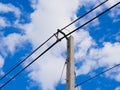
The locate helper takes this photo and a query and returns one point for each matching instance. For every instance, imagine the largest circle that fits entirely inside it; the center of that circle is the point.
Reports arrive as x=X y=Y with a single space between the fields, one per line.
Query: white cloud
x=115 y=13
x=8 y=44
x=5 y=8
x=34 y=3
x=117 y=88
x=110 y=54
x=1 y=65
x=13 y=40
x=48 y=71
x=89 y=4
x=87 y=66
x=3 y=22
x=106 y=57
x=2 y=48
x=114 y=74
x=78 y=88
x=95 y=58
x=83 y=42
x=1 y=62
x=111 y=2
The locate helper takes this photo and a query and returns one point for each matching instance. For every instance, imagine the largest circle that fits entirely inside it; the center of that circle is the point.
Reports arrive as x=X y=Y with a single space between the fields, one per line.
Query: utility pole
x=70 y=64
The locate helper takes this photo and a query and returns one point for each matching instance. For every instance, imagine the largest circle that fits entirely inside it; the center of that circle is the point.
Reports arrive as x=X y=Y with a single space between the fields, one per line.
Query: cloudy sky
x=25 y=24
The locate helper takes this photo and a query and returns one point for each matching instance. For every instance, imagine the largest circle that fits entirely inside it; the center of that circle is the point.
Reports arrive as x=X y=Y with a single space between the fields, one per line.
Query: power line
x=19 y=63
x=56 y=43
x=85 y=14
x=28 y=65
x=83 y=82
x=93 y=19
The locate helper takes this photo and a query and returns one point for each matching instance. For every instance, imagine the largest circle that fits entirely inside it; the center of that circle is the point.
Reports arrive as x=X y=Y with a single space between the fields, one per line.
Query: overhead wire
x=28 y=65
x=92 y=19
x=85 y=14
x=56 y=43
x=83 y=82
x=19 y=63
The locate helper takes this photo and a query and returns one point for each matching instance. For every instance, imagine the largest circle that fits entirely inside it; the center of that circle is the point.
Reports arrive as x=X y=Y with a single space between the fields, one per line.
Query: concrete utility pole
x=70 y=64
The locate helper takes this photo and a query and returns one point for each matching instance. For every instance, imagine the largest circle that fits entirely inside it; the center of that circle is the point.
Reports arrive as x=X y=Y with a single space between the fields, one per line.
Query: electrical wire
x=92 y=19
x=84 y=14
x=59 y=82
x=28 y=64
x=56 y=43
x=19 y=63
x=83 y=82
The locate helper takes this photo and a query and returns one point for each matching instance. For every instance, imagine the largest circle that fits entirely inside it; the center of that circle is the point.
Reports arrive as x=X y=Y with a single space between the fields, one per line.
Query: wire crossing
x=56 y=43
x=19 y=63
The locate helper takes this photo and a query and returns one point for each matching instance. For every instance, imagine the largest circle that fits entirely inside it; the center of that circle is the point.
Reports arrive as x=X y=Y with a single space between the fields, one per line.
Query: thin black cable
x=61 y=74
x=84 y=14
x=28 y=64
x=97 y=75
x=92 y=19
x=56 y=43
x=19 y=63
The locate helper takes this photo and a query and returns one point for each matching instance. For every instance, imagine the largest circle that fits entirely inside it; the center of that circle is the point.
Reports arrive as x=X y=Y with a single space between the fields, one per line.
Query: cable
x=97 y=75
x=28 y=65
x=85 y=14
x=19 y=63
x=56 y=43
x=61 y=74
x=92 y=19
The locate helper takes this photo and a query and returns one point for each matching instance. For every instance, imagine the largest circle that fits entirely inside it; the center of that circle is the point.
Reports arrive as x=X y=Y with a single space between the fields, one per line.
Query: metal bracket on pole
x=57 y=34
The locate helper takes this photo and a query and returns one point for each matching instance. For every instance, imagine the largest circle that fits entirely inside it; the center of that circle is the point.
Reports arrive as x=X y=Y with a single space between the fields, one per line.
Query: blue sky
x=25 y=24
